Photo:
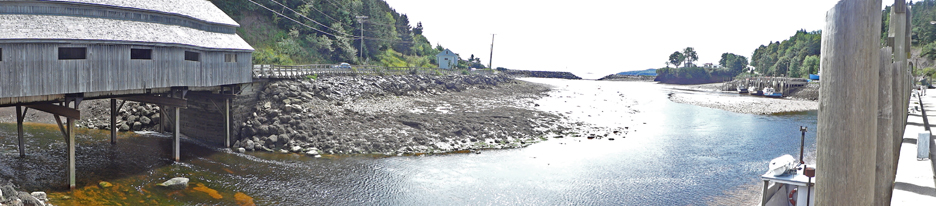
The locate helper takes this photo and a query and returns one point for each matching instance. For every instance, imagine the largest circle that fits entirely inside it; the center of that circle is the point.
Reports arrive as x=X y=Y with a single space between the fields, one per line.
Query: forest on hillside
x=799 y=55
x=292 y=32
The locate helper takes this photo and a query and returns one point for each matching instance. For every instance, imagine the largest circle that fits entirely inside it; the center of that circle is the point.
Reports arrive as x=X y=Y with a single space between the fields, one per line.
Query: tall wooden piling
x=175 y=136
x=20 y=116
x=113 y=120
x=848 y=104
x=885 y=130
x=70 y=130
x=227 y=123
x=903 y=81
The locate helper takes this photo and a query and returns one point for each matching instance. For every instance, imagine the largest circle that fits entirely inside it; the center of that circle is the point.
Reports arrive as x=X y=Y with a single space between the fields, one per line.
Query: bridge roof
x=198 y=9
x=43 y=28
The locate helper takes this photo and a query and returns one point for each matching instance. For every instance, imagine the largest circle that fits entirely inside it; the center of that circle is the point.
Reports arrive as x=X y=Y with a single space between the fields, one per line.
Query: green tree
x=676 y=59
x=691 y=56
x=733 y=62
x=419 y=29
x=810 y=66
x=786 y=57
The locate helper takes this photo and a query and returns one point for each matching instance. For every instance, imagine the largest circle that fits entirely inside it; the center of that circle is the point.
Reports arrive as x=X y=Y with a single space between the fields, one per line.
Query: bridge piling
x=227 y=123
x=113 y=120
x=20 y=116
x=70 y=130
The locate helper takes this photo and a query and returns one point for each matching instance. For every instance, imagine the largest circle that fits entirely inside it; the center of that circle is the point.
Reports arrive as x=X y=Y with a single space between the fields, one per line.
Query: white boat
x=742 y=88
x=770 y=92
x=792 y=188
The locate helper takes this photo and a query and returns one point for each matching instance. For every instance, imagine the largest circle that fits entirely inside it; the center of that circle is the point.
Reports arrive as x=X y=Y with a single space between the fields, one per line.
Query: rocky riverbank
x=394 y=115
x=390 y=115
x=133 y=116
x=10 y=196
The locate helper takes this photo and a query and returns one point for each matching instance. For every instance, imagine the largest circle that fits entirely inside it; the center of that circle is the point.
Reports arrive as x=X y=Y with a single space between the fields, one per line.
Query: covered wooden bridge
x=54 y=54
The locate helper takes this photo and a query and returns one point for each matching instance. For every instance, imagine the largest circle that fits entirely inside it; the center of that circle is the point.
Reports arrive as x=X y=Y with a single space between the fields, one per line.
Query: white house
x=447 y=59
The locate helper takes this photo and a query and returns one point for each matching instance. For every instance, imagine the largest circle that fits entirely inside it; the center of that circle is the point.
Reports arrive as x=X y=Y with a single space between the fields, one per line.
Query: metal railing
x=264 y=71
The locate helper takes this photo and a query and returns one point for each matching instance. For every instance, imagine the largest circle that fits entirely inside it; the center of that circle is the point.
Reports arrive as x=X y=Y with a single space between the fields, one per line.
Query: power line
x=303 y=16
x=336 y=5
x=391 y=40
x=284 y=16
x=311 y=5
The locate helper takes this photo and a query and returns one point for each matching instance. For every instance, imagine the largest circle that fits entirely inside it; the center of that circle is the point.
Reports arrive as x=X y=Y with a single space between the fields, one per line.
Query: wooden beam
x=217 y=96
x=175 y=102
x=57 y=110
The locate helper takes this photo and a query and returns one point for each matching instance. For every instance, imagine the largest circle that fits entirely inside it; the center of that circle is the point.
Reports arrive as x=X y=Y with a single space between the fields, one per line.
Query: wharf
x=915 y=183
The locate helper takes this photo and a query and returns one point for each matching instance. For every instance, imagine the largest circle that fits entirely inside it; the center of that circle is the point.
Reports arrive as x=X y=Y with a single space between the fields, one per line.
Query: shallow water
x=674 y=154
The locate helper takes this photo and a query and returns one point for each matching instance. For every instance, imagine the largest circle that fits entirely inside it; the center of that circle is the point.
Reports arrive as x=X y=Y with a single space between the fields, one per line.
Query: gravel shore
x=709 y=95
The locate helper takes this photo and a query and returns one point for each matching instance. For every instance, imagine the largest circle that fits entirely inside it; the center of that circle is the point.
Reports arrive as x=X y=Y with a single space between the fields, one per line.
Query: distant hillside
x=293 y=32
x=647 y=72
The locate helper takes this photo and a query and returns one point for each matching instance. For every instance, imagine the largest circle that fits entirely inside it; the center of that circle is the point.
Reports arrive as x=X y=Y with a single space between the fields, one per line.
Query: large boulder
x=29 y=200
x=176 y=183
x=249 y=145
x=40 y=195
x=7 y=192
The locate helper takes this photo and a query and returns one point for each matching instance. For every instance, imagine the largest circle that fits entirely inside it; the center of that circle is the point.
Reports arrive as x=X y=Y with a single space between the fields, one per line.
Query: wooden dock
x=915 y=183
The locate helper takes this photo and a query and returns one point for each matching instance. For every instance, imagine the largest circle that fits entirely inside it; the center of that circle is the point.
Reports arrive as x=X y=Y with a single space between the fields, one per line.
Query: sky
x=594 y=38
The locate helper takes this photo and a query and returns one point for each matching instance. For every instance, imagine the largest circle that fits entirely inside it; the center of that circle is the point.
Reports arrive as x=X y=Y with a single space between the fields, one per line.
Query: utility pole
x=491 y=59
x=361 y=20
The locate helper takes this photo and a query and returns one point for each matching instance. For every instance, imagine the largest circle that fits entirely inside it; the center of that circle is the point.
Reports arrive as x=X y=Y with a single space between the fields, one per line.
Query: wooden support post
x=71 y=147
x=903 y=81
x=848 y=104
x=175 y=136
x=20 y=116
x=885 y=130
x=162 y=118
x=227 y=123
x=113 y=120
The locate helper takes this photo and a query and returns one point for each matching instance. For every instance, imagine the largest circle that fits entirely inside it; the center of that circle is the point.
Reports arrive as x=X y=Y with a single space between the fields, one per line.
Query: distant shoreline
x=711 y=96
x=618 y=77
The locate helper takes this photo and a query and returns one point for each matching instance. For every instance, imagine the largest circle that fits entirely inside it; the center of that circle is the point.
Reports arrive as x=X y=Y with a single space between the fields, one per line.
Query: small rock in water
x=312 y=153
x=176 y=183
x=295 y=149
x=241 y=150
x=610 y=138
x=104 y=184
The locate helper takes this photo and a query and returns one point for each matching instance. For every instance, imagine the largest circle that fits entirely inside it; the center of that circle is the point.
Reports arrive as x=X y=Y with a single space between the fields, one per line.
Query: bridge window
x=191 y=56
x=141 y=54
x=1 y=54
x=65 y=53
x=230 y=57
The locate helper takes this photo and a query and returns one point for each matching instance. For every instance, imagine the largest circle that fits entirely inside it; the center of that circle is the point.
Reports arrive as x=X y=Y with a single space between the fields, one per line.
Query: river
x=676 y=154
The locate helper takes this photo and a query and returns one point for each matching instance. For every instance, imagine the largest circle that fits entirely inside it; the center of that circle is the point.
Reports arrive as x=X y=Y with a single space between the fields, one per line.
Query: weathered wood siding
x=34 y=69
